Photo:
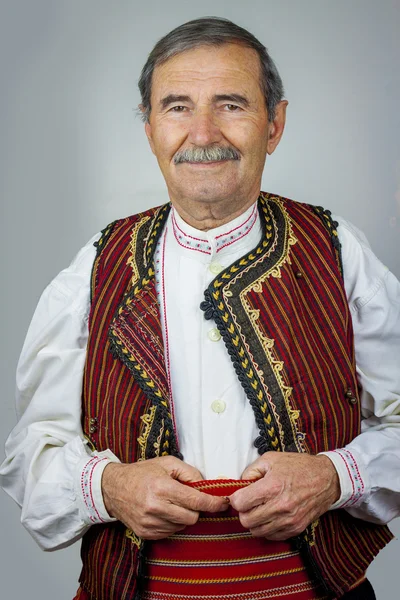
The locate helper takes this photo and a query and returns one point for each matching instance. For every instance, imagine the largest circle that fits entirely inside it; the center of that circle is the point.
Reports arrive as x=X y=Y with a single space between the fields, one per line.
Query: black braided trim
x=105 y=234
x=155 y=231
x=331 y=226
x=99 y=245
x=261 y=442
x=214 y=308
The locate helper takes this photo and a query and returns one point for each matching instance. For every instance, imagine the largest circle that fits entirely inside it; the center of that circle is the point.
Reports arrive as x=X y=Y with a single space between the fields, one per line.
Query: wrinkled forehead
x=209 y=69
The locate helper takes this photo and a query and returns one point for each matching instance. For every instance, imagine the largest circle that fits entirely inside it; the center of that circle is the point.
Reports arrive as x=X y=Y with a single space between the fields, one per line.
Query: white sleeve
x=49 y=470
x=369 y=467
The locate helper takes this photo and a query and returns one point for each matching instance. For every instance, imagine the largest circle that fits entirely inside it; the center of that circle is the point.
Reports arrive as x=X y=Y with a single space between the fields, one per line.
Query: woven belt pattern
x=217 y=558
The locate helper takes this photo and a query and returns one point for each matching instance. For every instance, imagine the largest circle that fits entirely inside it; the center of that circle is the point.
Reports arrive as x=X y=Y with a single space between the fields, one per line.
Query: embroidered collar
x=221 y=240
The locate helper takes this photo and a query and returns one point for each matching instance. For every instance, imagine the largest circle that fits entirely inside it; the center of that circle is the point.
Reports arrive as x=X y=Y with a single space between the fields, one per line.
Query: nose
x=203 y=129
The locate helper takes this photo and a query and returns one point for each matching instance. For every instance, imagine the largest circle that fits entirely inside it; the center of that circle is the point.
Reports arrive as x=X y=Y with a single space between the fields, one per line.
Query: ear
x=147 y=128
x=275 y=129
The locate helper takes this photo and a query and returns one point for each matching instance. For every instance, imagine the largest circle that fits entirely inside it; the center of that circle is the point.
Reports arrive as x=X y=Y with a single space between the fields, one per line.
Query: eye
x=178 y=109
x=232 y=107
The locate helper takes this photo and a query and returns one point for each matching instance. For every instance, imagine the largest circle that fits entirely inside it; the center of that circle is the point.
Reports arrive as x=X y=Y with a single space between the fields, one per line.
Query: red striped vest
x=284 y=318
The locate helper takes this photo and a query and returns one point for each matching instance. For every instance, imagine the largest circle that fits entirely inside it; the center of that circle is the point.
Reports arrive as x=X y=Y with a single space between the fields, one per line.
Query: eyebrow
x=171 y=98
x=238 y=98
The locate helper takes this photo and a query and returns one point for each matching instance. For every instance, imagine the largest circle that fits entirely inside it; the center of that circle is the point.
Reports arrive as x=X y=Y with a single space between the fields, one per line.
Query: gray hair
x=210 y=31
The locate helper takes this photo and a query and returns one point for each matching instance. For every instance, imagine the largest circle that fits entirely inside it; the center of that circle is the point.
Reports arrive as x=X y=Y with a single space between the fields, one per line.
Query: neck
x=206 y=216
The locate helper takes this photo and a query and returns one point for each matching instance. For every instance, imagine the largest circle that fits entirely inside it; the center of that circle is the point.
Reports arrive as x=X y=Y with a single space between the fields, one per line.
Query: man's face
x=211 y=97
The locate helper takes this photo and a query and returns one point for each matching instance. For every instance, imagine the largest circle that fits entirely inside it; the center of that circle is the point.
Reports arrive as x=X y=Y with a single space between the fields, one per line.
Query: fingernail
x=227 y=499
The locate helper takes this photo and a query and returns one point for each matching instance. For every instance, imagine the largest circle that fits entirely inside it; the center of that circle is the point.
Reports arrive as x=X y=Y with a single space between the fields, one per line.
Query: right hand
x=149 y=498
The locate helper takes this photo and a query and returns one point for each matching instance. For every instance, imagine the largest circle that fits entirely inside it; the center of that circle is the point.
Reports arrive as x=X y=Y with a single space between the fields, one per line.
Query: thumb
x=256 y=470
x=183 y=472
x=209 y=503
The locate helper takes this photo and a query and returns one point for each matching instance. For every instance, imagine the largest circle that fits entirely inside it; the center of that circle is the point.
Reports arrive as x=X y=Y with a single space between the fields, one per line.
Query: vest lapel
x=225 y=303
x=135 y=331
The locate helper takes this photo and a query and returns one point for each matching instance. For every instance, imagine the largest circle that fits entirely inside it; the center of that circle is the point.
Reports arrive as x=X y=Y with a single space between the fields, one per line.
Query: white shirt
x=51 y=473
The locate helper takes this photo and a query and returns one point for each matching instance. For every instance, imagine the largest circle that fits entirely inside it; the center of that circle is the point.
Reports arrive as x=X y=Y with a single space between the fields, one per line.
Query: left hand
x=292 y=491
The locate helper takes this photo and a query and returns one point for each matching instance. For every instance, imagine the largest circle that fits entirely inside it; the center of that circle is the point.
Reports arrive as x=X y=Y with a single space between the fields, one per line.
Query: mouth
x=208 y=163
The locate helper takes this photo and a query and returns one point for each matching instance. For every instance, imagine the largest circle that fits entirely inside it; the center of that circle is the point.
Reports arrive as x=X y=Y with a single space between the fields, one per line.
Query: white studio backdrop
x=74 y=157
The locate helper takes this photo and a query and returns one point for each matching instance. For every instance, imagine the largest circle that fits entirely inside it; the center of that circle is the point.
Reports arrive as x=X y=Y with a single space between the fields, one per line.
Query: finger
x=156 y=529
x=165 y=518
x=258 y=516
x=270 y=532
x=281 y=527
x=178 y=515
x=192 y=499
x=259 y=492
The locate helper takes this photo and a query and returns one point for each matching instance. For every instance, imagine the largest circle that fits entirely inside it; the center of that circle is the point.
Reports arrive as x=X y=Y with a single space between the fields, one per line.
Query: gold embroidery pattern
x=158 y=222
x=148 y=420
x=216 y=519
x=309 y=535
x=212 y=484
x=132 y=259
x=134 y=538
x=227 y=579
x=180 y=537
x=222 y=562
x=157 y=443
x=277 y=367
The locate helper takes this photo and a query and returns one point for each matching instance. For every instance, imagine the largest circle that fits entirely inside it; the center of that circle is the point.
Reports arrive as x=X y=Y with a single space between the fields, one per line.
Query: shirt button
x=216 y=268
x=218 y=406
x=214 y=335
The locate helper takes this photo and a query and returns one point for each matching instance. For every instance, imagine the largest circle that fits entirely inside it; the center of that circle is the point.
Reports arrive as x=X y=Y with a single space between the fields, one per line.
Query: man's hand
x=292 y=491
x=149 y=498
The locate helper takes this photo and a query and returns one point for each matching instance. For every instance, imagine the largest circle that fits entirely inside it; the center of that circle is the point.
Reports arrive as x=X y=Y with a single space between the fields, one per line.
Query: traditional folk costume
x=283 y=315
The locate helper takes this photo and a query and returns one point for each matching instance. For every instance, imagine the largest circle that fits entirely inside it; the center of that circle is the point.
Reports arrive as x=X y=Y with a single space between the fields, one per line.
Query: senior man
x=238 y=431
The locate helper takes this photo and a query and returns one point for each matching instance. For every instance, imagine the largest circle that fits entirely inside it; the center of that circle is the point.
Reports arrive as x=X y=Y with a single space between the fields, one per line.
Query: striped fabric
x=283 y=315
x=217 y=558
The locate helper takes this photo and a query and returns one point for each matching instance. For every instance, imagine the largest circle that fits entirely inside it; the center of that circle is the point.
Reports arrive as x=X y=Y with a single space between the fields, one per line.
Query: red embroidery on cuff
x=355 y=477
x=87 y=492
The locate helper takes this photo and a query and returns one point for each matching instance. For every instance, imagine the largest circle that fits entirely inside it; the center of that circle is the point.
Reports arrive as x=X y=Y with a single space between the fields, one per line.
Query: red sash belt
x=218 y=558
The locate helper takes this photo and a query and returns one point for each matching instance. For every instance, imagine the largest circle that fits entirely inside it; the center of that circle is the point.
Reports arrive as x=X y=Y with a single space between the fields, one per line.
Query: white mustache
x=207 y=154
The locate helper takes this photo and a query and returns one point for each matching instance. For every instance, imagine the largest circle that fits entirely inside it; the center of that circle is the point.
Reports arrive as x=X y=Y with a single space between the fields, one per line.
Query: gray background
x=74 y=157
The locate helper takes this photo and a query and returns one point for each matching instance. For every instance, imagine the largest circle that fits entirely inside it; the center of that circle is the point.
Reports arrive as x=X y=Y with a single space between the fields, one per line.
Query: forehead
x=230 y=67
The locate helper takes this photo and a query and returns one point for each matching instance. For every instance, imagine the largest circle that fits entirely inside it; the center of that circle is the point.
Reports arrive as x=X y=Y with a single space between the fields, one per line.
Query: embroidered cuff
x=352 y=482
x=89 y=492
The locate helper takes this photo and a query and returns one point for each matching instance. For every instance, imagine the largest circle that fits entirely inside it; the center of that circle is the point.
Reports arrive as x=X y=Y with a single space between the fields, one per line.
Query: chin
x=208 y=193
